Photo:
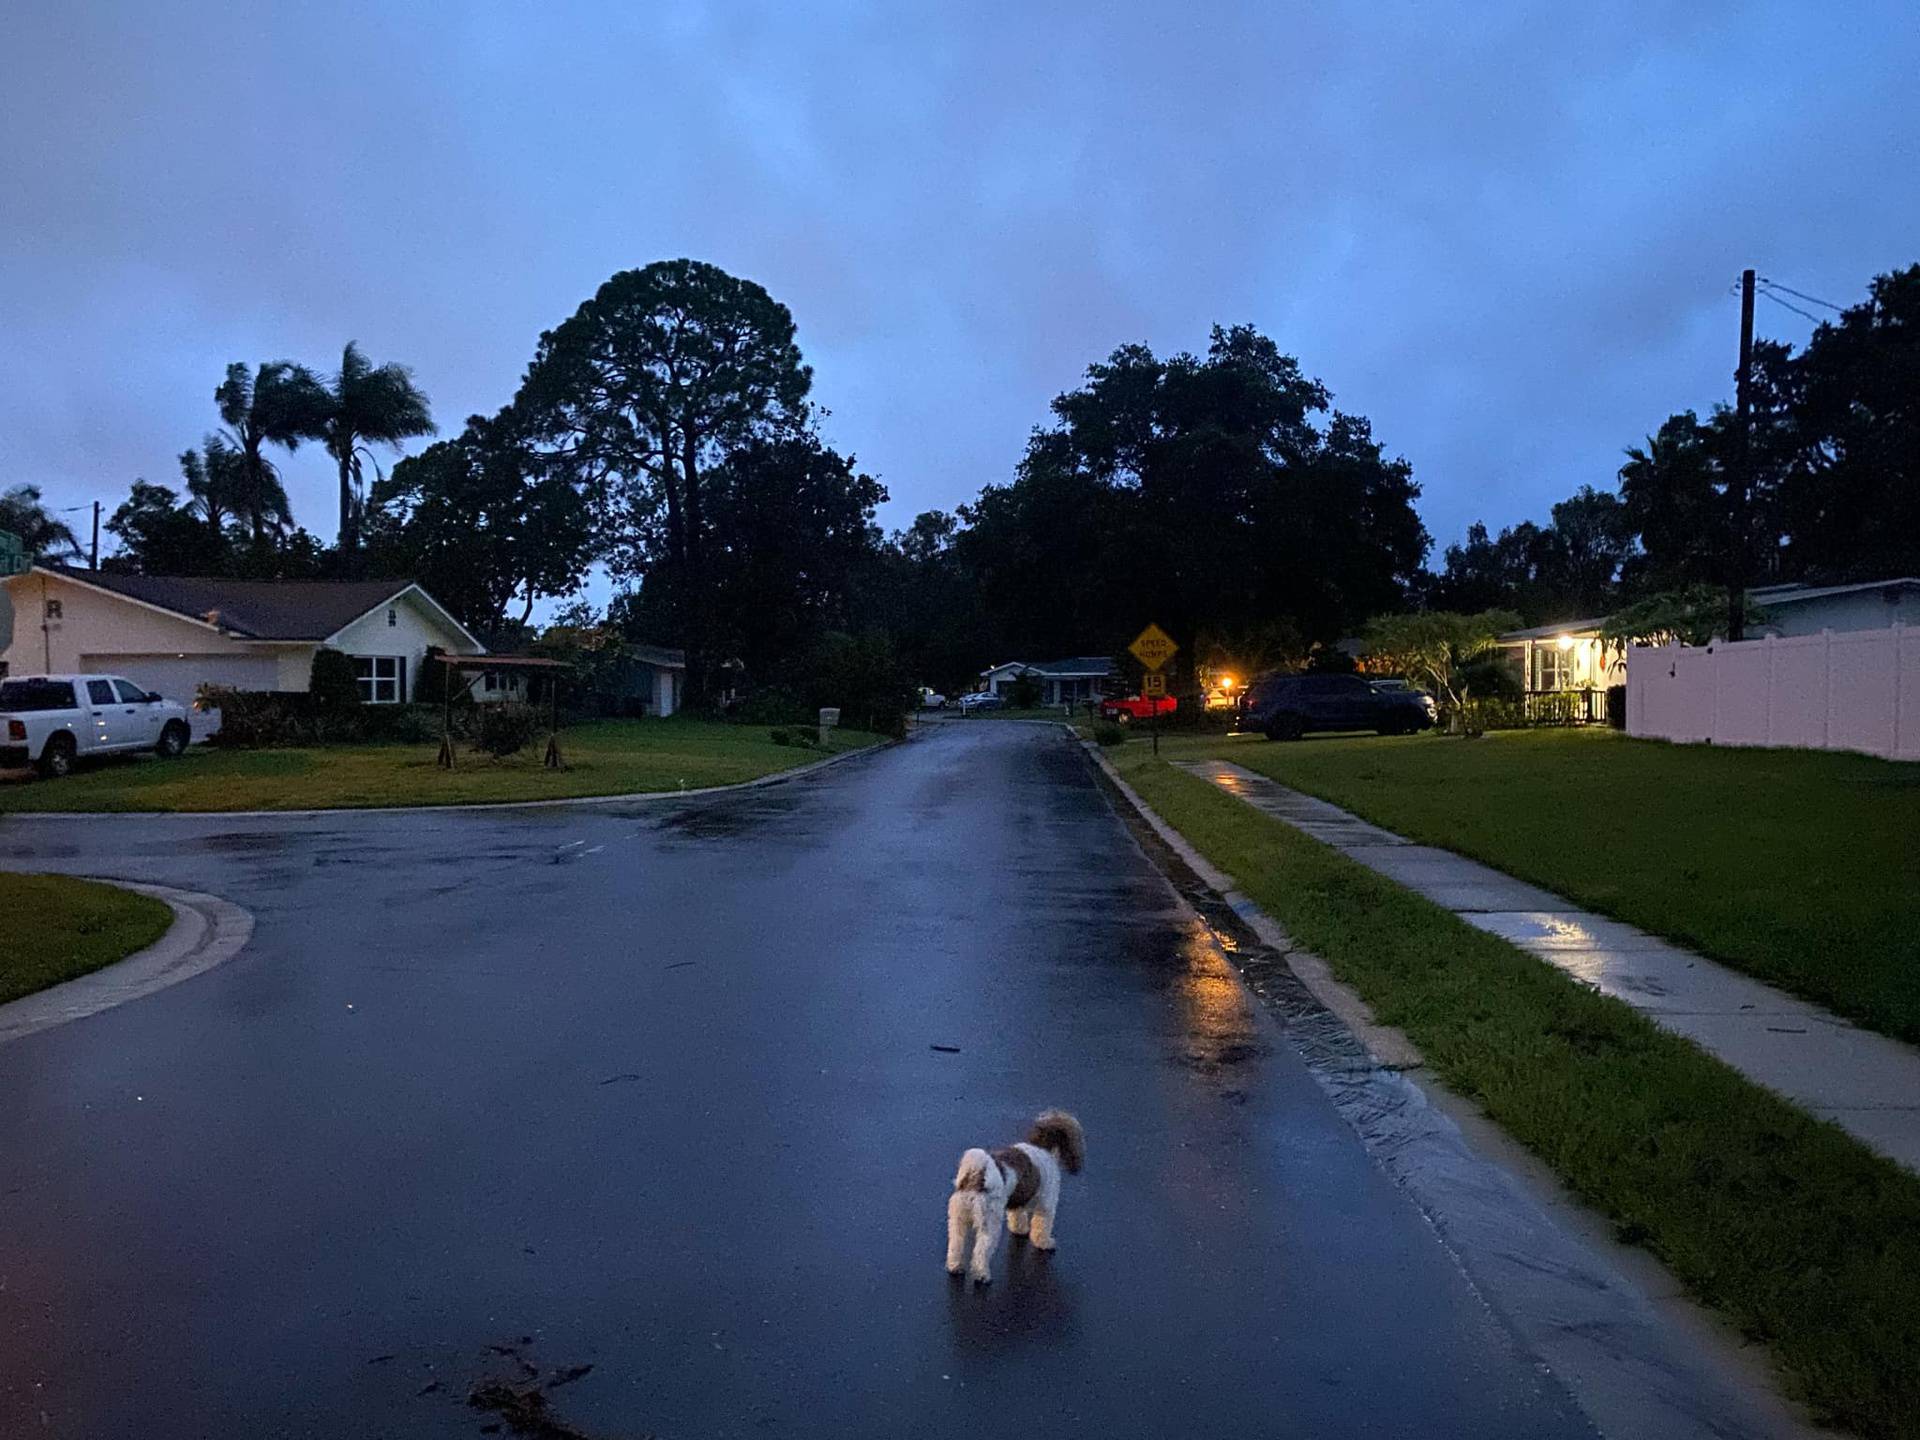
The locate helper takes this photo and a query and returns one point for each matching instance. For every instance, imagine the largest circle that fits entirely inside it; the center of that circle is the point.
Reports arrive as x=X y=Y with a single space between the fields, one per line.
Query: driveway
x=654 y=1089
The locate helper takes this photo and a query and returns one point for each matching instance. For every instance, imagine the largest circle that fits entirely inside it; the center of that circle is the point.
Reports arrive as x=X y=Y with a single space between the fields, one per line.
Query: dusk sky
x=1503 y=232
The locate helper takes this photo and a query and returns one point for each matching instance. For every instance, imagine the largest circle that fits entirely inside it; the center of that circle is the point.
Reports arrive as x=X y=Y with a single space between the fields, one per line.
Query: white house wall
x=1861 y=610
x=415 y=626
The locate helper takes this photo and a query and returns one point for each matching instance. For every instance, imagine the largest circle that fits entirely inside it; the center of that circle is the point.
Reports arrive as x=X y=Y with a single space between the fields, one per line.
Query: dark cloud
x=1503 y=232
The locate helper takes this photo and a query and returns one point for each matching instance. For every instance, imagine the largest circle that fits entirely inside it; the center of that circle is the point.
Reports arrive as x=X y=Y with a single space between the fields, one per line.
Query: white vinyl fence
x=1851 y=690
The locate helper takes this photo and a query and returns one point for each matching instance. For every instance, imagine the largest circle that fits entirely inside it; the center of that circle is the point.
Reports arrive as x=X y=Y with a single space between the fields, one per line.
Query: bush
x=506 y=729
x=780 y=737
x=1617 y=706
x=860 y=675
x=266 y=719
x=1023 y=693
x=333 y=683
x=770 y=705
x=1105 y=732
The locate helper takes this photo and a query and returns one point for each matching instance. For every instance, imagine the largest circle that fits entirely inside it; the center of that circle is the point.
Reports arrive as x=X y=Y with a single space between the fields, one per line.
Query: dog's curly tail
x=1059 y=1132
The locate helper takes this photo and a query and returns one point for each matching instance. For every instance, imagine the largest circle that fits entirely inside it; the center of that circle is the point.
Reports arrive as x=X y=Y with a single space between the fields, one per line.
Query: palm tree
x=214 y=485
x=279 y=403
x=367 y=405
x=23 y=514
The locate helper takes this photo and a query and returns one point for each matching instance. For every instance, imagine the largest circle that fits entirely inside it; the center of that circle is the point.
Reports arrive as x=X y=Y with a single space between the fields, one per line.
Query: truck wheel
x=174 y=740
x=56 y=761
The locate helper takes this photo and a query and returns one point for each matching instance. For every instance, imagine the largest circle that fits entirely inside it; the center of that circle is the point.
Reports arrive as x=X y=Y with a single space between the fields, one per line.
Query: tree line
x=668 y=430
x=1833 y=486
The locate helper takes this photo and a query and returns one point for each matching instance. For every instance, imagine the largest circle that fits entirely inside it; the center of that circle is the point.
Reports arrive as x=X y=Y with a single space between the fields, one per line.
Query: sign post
x=1153 y=647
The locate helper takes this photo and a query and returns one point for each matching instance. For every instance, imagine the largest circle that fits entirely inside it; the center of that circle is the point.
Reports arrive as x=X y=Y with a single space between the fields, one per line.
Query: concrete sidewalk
x=1865 y=1083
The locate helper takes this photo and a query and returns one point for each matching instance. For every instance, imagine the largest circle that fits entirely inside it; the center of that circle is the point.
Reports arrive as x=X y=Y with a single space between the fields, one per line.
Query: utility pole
x=95 y=563
x=1740 y=483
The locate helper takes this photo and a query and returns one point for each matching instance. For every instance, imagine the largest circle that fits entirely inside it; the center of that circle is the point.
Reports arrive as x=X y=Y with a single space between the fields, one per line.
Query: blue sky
x=1503 y=232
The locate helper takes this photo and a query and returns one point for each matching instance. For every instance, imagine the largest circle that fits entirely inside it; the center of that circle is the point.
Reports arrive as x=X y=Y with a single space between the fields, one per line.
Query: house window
x=383 y=678
x=393 y=617
x=53 y=610
x=491 y=681
x=1553 y=668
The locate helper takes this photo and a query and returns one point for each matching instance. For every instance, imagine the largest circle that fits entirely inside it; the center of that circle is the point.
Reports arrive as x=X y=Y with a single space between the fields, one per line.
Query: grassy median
x=1805 y=1238
x=53 y=928
x=608 y=757
x=1800 y=867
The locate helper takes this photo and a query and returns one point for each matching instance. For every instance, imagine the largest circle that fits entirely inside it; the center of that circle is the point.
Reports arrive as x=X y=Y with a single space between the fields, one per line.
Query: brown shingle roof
x=258 y=609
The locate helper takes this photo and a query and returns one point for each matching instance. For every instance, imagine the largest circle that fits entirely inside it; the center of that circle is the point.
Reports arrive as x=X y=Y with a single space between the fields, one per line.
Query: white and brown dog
x=1020 y=1183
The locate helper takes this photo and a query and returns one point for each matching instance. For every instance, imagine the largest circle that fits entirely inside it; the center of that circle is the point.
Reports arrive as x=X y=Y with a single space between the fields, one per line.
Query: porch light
x=1226 y=682
x=1566 y=642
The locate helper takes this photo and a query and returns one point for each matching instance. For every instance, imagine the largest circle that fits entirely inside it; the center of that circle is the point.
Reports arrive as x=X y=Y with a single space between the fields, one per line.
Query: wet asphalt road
x=653 y=1087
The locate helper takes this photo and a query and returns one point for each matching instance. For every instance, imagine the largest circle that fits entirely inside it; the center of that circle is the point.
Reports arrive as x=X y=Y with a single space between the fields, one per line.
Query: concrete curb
x=206 y=931
x=1387 y=1045
x=628 y=798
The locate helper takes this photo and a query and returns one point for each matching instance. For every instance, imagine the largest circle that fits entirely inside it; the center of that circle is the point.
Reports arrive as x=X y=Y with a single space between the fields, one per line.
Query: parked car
x=1285 y=707
x=981 y=700
x=1125 y=710
x=931 y=699
x=53 y=720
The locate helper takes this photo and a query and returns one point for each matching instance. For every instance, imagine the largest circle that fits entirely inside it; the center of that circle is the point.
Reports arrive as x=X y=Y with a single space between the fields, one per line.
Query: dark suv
x=1285 y=707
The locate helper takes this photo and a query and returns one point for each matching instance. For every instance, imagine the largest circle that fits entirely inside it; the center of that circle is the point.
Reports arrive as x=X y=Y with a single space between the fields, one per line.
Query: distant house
x=1061 y=682
x=174 y=633
x=1565 y=670
x=651 y=680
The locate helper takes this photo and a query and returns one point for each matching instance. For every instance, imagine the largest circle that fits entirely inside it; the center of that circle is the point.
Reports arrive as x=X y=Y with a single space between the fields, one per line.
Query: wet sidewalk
x=1867 y=1084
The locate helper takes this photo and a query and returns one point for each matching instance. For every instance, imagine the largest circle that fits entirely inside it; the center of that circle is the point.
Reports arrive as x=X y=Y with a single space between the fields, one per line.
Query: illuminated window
x=1552 y=668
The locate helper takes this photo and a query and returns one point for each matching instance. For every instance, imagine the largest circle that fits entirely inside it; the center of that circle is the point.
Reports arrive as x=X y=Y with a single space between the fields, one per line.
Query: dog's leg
x=1017 y=1221
x=1042 y=1231
x=984 y=1241
x=956 y=1233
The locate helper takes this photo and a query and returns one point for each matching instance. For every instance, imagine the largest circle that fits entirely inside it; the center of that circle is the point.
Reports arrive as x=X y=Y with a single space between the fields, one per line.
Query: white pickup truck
x=52 y=720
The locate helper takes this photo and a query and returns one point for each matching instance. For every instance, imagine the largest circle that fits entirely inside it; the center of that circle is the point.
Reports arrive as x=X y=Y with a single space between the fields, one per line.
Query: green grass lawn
x=53 y=928
x=1803 y=1237
x=1801 y=867
x=607 y=757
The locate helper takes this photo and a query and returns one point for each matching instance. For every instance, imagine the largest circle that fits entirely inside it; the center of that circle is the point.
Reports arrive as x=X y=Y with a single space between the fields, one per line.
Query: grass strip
x=1801 y=867
x=1807 y=1240
x=53 y=928
x=605 y=757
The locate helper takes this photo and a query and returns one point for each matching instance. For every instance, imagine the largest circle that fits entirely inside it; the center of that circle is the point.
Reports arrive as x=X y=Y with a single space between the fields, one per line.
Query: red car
x=1137 y=707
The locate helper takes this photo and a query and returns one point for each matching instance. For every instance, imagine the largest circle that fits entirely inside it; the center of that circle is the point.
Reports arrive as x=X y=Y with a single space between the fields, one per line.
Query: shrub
x=1617 y=706
x=1105 y=732
x=770 y=705
x=1023 y=693
x=860 y=675
x=333 y=683
x=780 y=737
x=506 y=729
x=265 y=719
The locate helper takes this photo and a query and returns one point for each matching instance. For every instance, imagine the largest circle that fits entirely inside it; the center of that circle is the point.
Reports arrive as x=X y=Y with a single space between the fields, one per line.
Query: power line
x=1810 y=299
x=1804 y=314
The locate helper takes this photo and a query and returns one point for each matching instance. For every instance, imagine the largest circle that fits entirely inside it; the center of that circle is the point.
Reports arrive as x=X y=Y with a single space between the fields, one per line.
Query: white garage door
x=179 y=677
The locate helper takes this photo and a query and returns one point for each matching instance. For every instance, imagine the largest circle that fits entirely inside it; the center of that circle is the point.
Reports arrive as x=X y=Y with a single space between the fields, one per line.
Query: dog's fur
x=1020 y=1183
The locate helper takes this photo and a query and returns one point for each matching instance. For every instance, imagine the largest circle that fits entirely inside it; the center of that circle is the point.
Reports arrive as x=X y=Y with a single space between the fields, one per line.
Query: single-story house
x=1061 y=682
x=1863 y=605
x=1568 y=662
x=174 y=633
x=649 y=680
